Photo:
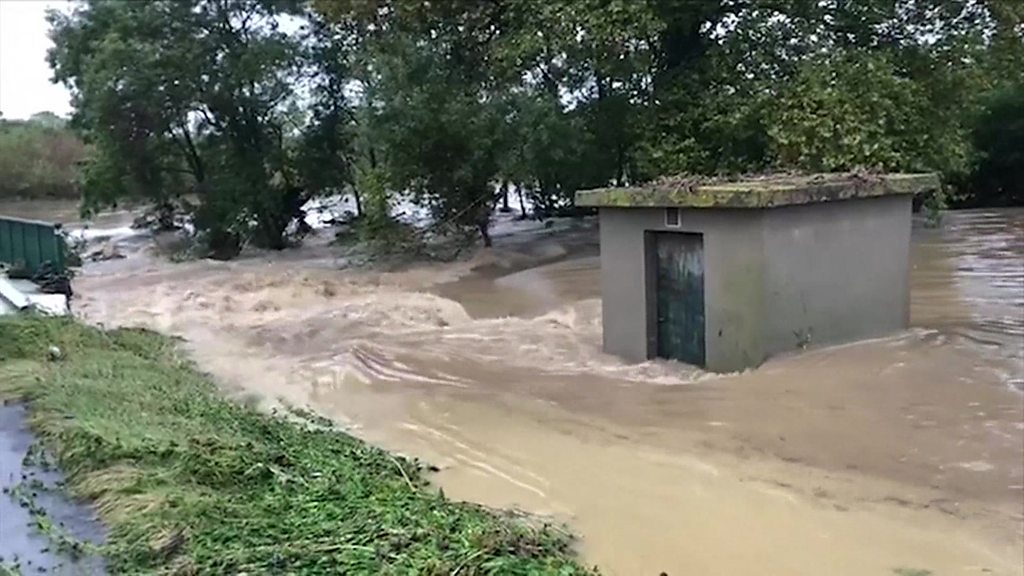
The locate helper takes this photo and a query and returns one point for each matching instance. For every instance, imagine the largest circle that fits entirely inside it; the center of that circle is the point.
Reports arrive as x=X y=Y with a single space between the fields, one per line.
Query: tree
x=851 y=110
x=327 y=146
x=449 y=101
x=118 y=61
x=192 y=97
x=425 y=78
x=442 y=142
x=550 y=152
x=997 y=177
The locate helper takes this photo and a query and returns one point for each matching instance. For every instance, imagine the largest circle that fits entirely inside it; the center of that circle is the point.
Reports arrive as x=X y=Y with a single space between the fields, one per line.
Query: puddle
x=21 y=543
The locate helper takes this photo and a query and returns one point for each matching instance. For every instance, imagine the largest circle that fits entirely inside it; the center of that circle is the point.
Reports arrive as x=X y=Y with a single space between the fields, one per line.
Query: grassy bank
x=188 y=482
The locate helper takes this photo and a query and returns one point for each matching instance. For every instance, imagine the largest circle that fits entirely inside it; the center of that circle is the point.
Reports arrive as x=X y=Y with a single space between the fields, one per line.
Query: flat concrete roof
x=757 y=192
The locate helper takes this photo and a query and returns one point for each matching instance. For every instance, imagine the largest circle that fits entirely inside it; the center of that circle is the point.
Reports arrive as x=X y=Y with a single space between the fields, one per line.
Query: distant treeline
x=39 y=158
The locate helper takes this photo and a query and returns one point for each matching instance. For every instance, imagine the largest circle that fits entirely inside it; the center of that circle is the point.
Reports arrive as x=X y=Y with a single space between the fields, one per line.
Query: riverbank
x=185 y=479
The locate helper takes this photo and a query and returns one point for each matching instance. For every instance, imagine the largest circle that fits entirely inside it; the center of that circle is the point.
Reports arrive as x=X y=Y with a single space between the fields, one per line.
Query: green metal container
x=30 y=243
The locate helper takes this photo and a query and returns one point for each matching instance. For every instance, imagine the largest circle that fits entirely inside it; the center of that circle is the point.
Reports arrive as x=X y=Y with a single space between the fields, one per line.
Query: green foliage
x=382 y=234
x=442 y=137
x=551 y=153
x=192 y=98
x=39 y=158
x=327 y=145
x=126 y=106
x=593 y=93
x=449 y=99
x=206 y=486
x=997 y=177
x=822 y=85
x=849 y=110
x=933 y=205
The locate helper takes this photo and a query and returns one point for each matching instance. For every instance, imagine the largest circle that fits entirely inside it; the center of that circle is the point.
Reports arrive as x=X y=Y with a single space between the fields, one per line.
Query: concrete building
x=725 y=274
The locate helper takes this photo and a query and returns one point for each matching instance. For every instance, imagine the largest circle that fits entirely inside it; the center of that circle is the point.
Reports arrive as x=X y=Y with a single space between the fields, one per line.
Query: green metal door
x=680 y=296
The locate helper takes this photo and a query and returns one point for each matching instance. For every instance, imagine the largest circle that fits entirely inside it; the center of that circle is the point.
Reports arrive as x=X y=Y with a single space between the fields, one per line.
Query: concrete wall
x=11 y=298
x=732 y=283
x=775 y=279
x=836 y=272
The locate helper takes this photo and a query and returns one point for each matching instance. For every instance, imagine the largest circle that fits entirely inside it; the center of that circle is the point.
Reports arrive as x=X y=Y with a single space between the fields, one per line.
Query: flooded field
x=900 y=453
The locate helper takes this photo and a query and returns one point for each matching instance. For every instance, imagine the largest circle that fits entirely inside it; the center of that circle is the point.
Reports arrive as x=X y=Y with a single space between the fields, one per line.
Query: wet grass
x=190 y=483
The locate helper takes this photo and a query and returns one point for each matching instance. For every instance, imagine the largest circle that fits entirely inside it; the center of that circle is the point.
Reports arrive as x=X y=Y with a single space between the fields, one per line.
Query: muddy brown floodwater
x=904 y=452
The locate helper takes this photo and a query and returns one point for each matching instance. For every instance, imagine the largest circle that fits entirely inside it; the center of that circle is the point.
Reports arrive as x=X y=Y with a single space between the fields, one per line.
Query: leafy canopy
x=252 y=107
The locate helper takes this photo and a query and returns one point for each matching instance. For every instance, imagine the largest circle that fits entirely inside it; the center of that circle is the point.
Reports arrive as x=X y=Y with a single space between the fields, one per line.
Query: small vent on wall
x=672 y=217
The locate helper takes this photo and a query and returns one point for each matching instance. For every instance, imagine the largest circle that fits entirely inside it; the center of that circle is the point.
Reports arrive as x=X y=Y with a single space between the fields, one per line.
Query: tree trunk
x=223 y=245
x=484 y=233
x=620 y=168
x=522 y=204
x=271 y=234
x=359 y=202
x=504 y=196
x=197 y=161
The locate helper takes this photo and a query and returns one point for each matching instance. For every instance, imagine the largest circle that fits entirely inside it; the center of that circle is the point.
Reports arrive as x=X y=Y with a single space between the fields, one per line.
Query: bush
x=39 y=158
x=997 y=177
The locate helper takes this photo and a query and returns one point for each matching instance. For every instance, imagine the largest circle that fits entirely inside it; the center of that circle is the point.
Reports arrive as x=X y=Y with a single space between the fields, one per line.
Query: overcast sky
x=25 y=86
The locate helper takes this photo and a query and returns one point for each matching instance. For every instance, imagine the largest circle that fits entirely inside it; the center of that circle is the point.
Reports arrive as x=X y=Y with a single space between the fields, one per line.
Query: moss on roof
x=758 y=192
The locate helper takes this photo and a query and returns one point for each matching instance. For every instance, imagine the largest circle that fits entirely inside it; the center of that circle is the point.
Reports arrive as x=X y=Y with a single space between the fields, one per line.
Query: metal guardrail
x=30 y=243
